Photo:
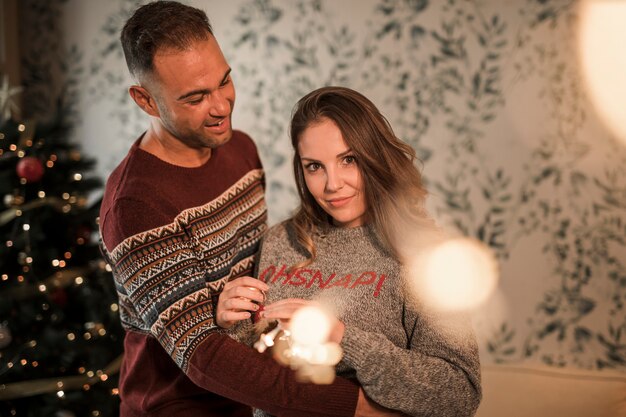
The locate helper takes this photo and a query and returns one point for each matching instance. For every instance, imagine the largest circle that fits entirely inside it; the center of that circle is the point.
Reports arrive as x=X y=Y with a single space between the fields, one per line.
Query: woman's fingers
x=237 y=304
x=284 y=309
x=231 y=317
x=246 y=287
x=237 y=299
x=290 y=301
x=247 y=281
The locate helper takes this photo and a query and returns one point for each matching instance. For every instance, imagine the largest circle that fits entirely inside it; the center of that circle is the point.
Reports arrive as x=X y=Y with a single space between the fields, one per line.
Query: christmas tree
x=60 y=334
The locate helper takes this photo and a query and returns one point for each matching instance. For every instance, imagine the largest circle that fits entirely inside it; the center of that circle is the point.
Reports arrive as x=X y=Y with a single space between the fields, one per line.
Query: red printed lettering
x=300 y=279
x=269 y=270
x=343 y=282
x=308 y=277
x=282 y=273
x=318 y=276
x=362 y=281
x=379 y=285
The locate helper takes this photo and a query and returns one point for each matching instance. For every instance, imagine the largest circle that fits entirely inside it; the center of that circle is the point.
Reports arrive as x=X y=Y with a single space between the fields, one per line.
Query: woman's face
x=332 y=174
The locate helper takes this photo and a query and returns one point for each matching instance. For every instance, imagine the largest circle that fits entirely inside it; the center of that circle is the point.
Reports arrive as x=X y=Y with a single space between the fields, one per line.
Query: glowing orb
x=458 y=274
x=310 y=326
x=603 y=61
x=326 y=354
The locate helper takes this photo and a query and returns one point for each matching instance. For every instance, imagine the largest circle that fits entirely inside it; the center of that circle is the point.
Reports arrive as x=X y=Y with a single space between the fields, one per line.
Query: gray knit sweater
x=406 y=357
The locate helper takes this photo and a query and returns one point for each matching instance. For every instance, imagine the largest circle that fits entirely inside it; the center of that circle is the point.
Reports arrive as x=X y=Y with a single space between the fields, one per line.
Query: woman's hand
x=236 y=300
x=283 y=310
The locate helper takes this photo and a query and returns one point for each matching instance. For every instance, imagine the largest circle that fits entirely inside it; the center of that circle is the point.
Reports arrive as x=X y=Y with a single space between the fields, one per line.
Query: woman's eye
x=312 y=167
x=349 y=160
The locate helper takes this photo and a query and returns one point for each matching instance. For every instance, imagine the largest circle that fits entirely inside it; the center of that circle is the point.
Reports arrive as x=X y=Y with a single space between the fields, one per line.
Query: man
x=182 y=215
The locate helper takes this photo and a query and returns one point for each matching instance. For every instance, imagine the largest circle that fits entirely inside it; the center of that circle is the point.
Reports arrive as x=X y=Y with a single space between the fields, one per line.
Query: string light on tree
x=51 y=285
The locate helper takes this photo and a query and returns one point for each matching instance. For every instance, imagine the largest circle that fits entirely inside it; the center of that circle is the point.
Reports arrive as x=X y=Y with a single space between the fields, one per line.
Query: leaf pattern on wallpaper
x=449 y=72
x=109 y=79
x=555 y=203
x=456 y=89
x=501 y=345
x=460 y=80
x=463 y=92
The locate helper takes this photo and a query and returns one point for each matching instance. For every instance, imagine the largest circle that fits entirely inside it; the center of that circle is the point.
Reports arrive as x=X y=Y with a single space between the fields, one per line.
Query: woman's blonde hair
x=394 y=192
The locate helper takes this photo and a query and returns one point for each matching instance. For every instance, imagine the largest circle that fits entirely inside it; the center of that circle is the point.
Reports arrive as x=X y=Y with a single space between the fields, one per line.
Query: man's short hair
x=161 y=25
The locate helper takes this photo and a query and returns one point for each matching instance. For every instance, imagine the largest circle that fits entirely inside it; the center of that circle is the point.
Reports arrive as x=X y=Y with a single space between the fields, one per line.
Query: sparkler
x=304 y=345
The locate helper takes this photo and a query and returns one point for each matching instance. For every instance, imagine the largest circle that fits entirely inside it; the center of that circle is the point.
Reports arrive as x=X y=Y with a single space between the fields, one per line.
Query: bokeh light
x=310 y=325
x=457 y=274
x=602 y=37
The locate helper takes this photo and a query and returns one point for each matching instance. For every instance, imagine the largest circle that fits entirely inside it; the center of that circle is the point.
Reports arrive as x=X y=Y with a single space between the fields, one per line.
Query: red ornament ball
x=30 y=168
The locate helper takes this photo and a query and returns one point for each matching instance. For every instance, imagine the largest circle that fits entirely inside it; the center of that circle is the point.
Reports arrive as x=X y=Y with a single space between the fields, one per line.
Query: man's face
x=194 y=94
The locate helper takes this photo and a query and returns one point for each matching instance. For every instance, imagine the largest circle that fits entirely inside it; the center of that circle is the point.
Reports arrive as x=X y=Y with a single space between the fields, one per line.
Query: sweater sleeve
x=235 y=371
x=163 y=292
x=437 y=374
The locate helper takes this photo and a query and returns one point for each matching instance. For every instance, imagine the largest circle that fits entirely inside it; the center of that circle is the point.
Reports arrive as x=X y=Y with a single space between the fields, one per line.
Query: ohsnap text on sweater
x=308 y=277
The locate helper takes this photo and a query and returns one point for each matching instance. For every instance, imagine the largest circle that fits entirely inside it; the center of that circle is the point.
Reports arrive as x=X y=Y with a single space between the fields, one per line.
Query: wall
x=8 y=42
x=488 y=92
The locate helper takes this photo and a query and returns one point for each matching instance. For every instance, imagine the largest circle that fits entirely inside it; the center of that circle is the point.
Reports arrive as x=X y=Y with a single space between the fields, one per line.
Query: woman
x=359 y=191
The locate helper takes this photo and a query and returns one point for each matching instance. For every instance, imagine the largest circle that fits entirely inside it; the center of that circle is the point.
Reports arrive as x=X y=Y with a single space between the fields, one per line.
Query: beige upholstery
x=541 y=391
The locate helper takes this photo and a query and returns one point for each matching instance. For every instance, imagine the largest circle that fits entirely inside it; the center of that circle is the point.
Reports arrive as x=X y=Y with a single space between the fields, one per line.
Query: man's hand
x=368 y=408
x=237 y=300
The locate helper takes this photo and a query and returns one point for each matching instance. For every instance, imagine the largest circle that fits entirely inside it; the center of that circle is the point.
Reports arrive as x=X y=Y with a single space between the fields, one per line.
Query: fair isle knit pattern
x=166 y=277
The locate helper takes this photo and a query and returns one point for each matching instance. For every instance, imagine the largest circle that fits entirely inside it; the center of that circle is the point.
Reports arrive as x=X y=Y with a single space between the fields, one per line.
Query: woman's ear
x=144 y=100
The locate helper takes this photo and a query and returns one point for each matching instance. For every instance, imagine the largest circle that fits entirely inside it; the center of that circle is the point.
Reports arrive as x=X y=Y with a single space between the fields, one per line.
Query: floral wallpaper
x=489 y=93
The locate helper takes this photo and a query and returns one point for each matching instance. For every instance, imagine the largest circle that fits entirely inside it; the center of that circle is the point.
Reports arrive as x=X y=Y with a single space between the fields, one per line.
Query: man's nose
x=220 y=105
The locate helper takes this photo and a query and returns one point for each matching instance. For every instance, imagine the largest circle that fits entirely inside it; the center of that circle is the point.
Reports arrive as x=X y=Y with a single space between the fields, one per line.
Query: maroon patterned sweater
x=173 y=237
